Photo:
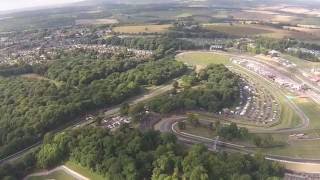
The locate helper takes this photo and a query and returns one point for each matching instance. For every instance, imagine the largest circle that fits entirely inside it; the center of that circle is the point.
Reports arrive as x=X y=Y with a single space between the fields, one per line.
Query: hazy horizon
x=6 y=5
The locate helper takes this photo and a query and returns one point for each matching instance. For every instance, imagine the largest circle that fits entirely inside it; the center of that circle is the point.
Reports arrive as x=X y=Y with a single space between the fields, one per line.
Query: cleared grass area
x=200 y=131
x=142 y=29
x=33 y=76
x=184 y=15
x=308 y=168
x=294 y=148
x=57 y=175
x=96 y=21
x=201 y=59
x=298 y=149
x=301 y=63
x=83 y=171
x=311 y=109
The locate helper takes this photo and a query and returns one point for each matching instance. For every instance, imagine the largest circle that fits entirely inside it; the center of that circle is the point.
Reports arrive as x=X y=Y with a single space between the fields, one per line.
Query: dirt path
x=60 y=168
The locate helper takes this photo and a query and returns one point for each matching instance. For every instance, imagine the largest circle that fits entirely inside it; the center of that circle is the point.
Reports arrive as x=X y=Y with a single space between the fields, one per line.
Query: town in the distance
x=160 y=90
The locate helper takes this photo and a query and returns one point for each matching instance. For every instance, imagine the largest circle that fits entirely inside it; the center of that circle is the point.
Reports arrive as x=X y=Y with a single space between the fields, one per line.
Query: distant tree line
x=305 y=55
x=263 y=44
x=188 y=28
x=7 y=70
x=162 y=45
x=82 y=71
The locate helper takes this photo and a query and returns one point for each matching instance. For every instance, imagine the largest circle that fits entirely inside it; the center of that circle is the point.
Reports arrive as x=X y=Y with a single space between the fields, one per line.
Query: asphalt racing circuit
x=291 y=163
x=278 y=87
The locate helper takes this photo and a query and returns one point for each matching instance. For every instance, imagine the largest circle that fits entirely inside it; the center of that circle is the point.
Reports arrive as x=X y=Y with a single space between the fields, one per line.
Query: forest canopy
x=215 y=87
x=29 y=108
x=131 y=154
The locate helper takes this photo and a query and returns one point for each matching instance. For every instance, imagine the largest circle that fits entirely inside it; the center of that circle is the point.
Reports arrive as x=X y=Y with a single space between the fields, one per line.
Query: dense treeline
x=162 y=45
x=218 y=89
x=188 y=28
x=90 y=53
x=83 y=71
x=20 y=69
x=264 y=44
x=130 y=154
x=232 y=131
x=304 y=55
x=7 y=71
x=280 y=45
x=29 y=108
x=19 y=168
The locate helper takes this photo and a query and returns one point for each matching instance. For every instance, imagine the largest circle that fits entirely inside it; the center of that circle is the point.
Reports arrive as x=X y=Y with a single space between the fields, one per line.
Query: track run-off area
x=295 y=122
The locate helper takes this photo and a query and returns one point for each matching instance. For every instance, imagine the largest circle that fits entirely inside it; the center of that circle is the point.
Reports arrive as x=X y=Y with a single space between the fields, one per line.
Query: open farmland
x=261 y=30
x=238 y=29
x=142 y=29
x=256 y=15
x=96 y=21
x=307 y=30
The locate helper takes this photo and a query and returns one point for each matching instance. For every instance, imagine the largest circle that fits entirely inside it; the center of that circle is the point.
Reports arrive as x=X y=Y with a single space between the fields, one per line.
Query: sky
x=20 y=4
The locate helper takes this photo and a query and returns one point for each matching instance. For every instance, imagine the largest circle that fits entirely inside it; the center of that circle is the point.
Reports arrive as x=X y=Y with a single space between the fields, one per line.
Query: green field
x=57 y=175
x=297 y=149
x=200 y=131
x=311 y=109
x=303 y=64
x=83 y=171
x=202 y=59
x=62 y=175
x=38 y=77
x=182 y=15
x=142 y=29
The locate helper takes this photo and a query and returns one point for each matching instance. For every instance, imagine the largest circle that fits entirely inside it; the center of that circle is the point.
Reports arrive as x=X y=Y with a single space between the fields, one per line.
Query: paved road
x=305 y=119
x=297 y=164
x=296 y=76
